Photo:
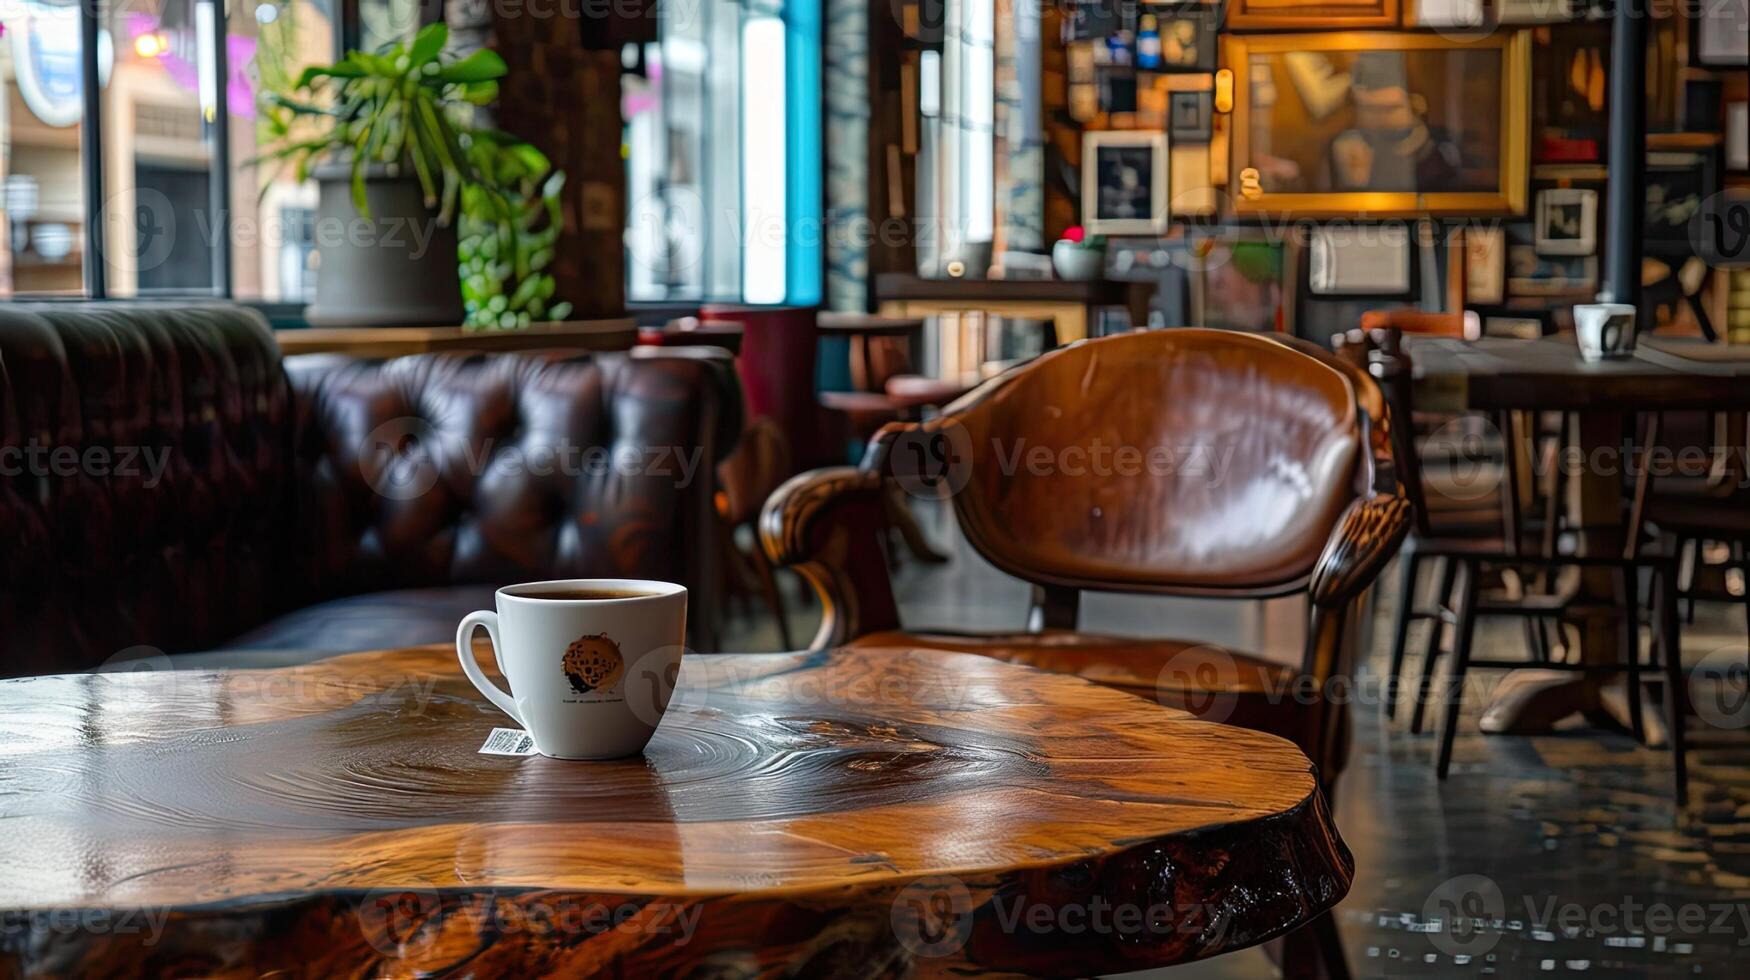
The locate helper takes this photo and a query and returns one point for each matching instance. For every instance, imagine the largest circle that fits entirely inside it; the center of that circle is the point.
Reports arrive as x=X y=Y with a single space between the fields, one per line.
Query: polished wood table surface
x=1548 y=374
x=818 y=814
x=1499 y=373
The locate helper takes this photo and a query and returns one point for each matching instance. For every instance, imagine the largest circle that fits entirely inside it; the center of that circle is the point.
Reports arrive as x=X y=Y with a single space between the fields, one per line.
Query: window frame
x=348 y=34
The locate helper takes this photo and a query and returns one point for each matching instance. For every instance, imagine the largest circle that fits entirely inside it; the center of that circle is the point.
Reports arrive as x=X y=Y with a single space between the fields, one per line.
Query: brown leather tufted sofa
x=168 y=481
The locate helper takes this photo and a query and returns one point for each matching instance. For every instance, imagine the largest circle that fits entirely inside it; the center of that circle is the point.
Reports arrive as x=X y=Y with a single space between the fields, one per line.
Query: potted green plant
x=390 y=138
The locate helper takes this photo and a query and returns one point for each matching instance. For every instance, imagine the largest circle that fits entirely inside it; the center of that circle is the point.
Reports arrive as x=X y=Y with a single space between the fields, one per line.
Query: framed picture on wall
x=1240 y=279
x=1737 y=136
x=1124 y=183
x=1720 y=34
x=1533 y=11
x=1356 y=259
x=1187 y=31
x=1443 y=13
x=1254 y=15
x=1381 y=125
x=1567 y=221
x=1531 y=274
x=1189 y=116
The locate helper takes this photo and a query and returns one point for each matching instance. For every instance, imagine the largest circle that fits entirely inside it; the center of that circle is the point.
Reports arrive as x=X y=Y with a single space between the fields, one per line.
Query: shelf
x=619 y=333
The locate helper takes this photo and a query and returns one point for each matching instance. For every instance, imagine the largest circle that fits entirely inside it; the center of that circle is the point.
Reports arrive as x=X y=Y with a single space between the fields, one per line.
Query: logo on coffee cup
x=593 y=663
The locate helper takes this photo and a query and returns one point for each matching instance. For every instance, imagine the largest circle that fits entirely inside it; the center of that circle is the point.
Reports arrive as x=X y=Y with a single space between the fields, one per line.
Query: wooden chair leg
x=1744 y=569
x=1431 y=649
x=1312 y=952
x=1631 y=610
x=1412 y=565
x=1466 y=629
x=762 y=567
x=1689 y=552
x=1537 y=639
x=1676 y=692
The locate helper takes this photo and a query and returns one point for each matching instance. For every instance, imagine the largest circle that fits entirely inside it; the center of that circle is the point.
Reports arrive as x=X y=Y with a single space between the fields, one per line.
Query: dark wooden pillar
x=1624 y=197
x=563 y=95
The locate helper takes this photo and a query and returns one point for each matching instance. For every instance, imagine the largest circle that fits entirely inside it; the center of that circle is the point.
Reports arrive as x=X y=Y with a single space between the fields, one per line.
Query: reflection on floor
x=1550 y=855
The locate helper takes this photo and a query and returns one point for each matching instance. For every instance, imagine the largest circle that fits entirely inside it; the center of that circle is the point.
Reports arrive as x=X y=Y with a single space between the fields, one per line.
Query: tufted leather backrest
x=166 y=479
x=440 y=469
x=145 y=479
x=1168 y=461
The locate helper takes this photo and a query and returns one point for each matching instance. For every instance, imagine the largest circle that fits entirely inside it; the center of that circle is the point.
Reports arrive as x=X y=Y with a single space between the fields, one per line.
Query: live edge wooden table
x=1548 y=374
x=814 y=814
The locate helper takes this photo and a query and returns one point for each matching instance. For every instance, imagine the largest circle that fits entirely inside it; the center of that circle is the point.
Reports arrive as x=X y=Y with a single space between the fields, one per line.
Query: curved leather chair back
x=1171 y=461
x=1368 y=395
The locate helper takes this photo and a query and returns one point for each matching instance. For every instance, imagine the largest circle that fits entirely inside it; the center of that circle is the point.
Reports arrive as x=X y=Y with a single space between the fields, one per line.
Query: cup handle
x=471 y=667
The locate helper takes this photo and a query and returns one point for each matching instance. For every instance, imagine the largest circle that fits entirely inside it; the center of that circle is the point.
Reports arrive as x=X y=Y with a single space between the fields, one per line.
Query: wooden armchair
x=1234 y=466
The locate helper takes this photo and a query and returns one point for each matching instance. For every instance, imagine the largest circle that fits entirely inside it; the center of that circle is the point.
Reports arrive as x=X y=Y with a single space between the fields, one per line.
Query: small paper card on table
x=508 y=741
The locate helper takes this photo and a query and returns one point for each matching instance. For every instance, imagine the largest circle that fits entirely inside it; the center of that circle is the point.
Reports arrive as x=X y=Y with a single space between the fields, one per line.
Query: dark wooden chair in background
x=1702 y=503
x=1460 y=599
x=1483 y=509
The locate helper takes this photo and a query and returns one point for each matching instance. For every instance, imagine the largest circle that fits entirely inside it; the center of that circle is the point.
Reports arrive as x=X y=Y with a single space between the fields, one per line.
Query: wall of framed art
x=1484 y=120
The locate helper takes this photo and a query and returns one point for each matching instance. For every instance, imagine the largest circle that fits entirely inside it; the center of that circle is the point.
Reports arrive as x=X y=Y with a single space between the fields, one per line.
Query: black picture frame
x=1090 y=20
x=1190 y=116
x=1117 y=88
x=1703 y=105
x=1671 y=178
x=1200 y=20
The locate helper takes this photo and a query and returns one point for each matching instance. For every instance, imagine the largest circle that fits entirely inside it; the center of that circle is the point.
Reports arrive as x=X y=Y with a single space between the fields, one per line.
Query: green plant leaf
x=428 y=44
x=359 y=201
x=479 y=93
x=344 y=68
x=483 y=65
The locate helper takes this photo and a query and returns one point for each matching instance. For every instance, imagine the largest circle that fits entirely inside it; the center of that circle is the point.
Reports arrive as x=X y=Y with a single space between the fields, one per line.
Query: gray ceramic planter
x=396 y=268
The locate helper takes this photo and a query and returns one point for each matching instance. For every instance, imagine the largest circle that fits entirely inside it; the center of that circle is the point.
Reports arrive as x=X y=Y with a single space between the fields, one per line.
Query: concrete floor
x=1564 y=850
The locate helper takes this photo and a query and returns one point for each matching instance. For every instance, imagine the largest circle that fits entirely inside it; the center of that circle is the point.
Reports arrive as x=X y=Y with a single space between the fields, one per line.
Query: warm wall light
x=1224 y=90
x=152 y=44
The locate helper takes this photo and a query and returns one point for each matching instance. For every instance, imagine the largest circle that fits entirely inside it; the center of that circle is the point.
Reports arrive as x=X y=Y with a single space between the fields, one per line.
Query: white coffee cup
x=1604 y=330
x=591 y=662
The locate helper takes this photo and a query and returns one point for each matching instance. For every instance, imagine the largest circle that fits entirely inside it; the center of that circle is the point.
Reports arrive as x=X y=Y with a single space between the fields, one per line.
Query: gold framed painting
x=1270 y=15
x=1379 y=124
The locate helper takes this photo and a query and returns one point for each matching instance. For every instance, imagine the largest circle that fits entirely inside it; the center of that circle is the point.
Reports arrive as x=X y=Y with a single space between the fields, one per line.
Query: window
x=161 y=197
x=956 y=186
x=722 y=155
x=42 y=249
x=273 y=248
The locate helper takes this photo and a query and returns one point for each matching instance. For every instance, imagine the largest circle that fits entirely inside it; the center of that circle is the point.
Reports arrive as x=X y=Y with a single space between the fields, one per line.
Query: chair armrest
x=826 y=524
x=1366 y=538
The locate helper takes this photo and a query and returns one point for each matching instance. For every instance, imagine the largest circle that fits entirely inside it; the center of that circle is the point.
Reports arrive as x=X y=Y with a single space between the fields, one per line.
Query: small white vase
x=1077 y=262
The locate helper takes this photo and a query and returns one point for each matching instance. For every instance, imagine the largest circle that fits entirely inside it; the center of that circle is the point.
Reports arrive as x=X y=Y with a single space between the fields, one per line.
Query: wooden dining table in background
x=832 y=813
x=1548 y=375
